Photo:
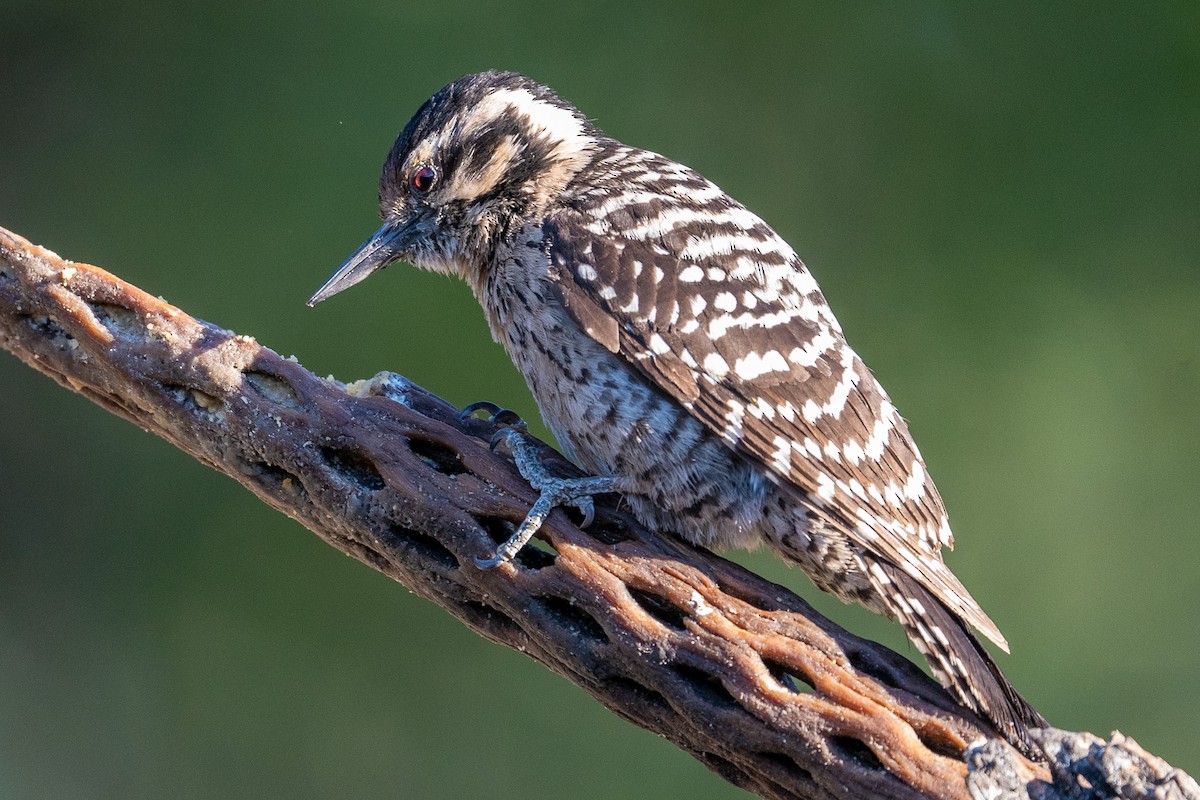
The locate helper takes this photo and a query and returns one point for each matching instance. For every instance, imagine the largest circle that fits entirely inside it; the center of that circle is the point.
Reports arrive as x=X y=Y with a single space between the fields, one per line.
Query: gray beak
x=385 y=246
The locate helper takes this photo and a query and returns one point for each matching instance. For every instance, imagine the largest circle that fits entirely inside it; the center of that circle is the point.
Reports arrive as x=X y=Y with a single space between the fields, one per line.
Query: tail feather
x=957 y=657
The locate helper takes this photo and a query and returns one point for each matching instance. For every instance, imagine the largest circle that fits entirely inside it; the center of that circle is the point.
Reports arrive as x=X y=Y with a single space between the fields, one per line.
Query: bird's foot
x=505 y=417
x=555 y=492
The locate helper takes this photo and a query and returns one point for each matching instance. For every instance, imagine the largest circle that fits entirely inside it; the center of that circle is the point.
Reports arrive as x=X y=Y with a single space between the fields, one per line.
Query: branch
x=737 y=671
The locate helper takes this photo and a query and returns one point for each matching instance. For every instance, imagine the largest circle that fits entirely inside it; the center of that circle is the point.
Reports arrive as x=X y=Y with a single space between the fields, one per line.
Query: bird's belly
x=673 y=473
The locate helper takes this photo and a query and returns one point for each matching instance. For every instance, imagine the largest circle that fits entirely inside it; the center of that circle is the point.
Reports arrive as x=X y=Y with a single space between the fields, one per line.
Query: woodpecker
x=680 y=351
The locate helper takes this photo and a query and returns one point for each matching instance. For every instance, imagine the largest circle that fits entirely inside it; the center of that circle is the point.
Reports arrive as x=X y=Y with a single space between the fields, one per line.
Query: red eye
x=424 y=178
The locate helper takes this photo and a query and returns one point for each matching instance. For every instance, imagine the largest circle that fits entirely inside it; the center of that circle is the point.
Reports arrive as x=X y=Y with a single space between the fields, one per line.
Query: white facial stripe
x=558 y=124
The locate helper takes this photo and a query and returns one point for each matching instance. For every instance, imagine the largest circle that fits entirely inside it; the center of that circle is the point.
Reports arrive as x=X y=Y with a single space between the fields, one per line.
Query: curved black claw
x=587 y=508
x=497 y=415
x=481 y=405
x=510 y=419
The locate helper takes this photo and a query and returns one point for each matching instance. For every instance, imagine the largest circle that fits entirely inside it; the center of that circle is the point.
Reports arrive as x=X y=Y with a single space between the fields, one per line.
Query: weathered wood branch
x=737 y=671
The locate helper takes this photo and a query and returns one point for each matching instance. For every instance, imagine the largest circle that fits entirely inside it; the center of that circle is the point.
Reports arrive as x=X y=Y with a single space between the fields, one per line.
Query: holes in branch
x=750 y=596
x=537 y=552
x=497 y=529
x=49 y=328
x=794 y=681
x=438 y=456
x=605 y=530
x=938 y=743
x=481 y=616
x=272 y=387
x=874 y=665
x=707 y=686
x=855 y=751
x=354 y=467
x=120 y=321
x=571 y=616
x=274 y=477
x=424 y=546
x=660 y=608
x=208 y=403
x=194 y=400
x=46 y=326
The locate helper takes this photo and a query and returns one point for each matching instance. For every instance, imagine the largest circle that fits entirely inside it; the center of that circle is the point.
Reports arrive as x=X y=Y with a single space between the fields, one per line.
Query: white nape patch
x=691 y=274
x=715 y=365
x=558 y=124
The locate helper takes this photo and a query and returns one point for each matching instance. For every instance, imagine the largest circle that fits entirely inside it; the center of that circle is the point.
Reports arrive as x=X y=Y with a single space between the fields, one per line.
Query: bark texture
x=737 y=671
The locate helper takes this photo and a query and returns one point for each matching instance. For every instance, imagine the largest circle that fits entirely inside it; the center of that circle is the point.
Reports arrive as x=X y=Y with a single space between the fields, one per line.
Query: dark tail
x=959 y=659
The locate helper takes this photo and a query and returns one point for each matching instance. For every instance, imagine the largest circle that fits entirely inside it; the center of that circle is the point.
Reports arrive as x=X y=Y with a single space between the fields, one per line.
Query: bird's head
x=482 y=155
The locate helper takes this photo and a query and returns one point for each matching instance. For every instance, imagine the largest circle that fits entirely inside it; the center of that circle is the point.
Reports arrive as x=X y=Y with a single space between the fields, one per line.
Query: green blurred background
x=1003 y=206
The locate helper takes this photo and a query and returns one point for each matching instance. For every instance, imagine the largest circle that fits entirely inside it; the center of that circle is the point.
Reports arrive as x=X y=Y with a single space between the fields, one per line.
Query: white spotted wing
x=710 y=304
